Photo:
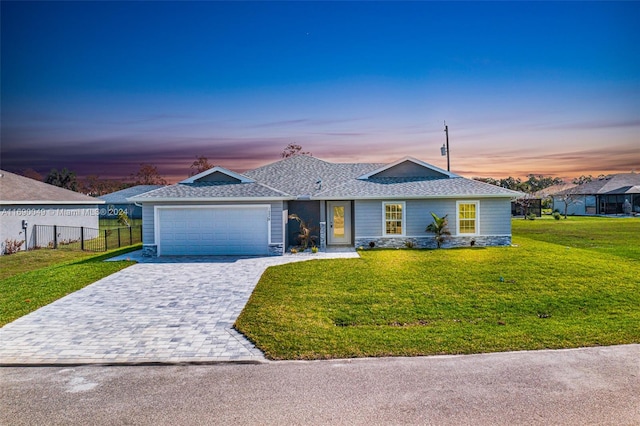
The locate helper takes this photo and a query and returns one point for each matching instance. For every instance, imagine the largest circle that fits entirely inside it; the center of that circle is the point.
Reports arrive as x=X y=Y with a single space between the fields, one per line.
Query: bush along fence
x=83 y=238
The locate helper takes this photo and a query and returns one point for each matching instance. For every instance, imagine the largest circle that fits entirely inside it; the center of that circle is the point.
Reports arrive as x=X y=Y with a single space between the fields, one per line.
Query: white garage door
x=229 y=230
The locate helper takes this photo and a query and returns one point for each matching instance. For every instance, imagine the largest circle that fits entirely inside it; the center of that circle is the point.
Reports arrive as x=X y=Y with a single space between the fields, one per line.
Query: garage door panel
x=238 y=230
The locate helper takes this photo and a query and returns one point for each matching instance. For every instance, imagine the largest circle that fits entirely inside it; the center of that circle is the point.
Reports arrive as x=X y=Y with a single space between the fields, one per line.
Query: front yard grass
x=25 y=261
x=36 y=278
x=550 y=290
x=612 y=235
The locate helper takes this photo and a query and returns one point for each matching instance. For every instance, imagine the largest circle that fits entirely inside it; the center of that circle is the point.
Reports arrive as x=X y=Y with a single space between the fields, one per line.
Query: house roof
x=553 y=189
x=120 y=197
x=211 y=191
x=633 y=190
x=615 y=184
x=306 y=177
x=16 y=189
x=402 y=188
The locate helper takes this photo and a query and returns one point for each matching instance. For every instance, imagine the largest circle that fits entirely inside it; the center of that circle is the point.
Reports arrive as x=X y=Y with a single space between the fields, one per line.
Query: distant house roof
x=305 y=177
x=120 y=197
x=633 y=190
x=16 y=189
x=551 y=190
x=616 y=184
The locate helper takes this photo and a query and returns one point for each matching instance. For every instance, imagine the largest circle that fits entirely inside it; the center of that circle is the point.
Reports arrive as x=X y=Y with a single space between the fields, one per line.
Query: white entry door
x=339 y=221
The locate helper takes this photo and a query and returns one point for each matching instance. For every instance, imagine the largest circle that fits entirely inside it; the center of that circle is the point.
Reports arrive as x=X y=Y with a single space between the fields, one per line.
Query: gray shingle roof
x=616 y=184
x=210 y=190
x=416 y=188
x=16 y=189
x=299 y=177
x=120 y=197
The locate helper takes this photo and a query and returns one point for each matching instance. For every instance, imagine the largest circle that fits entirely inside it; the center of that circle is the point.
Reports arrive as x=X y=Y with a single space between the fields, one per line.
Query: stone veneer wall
x=323 y=235
x=276 y=249
x=149 y=250
x=430 y=242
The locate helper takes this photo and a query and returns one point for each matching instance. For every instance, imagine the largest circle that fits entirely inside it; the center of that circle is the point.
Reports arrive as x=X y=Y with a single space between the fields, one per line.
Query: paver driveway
x=166 y=310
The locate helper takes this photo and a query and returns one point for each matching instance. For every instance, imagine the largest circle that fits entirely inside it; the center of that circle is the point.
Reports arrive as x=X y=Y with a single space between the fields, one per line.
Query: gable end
x=218 y=174
x=218 y=177
x=409 y=169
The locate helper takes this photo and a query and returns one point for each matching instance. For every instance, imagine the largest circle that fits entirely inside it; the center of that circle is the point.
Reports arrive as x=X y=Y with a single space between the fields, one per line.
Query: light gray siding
x=495 y=216
x=277 y=224
x=148 y=217
x=368 y=218
x=148 y=223
x=368 y=215
x=418 y=215
x=575 y=205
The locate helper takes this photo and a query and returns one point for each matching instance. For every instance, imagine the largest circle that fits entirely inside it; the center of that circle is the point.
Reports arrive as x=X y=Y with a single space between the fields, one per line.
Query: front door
x=339 y=218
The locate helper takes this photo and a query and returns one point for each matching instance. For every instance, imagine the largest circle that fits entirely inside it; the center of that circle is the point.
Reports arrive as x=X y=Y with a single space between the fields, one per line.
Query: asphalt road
x=582 y=386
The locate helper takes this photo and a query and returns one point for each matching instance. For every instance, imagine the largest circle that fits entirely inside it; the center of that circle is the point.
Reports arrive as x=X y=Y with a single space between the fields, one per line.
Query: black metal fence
x=524 y=207
x=83 y=238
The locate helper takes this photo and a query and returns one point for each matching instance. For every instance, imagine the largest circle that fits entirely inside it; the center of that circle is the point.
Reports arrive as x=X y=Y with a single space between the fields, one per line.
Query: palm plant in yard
x=440 y=228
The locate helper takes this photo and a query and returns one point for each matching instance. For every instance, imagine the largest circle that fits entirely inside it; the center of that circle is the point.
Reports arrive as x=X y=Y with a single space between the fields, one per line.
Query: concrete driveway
x=159 y=311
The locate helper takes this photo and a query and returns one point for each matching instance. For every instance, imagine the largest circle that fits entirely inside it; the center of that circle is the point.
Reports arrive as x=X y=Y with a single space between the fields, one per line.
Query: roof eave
x=206 y=199
x=51 y=202
x=417 y=197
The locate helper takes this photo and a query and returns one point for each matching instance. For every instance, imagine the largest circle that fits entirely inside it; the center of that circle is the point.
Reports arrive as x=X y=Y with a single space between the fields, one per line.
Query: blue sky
x=542 y=87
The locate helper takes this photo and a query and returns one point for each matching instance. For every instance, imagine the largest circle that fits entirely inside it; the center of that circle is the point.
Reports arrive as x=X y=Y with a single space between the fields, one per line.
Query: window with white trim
x=468 y=213
x=393 y=218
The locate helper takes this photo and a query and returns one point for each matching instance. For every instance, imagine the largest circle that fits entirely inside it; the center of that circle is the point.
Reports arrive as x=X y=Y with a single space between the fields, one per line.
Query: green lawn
x=564 y=284
x=25 y=261
x=30 y=280
x=617 y=236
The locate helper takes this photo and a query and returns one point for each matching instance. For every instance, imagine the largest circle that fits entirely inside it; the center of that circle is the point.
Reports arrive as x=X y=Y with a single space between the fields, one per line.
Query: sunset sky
x=100 y=87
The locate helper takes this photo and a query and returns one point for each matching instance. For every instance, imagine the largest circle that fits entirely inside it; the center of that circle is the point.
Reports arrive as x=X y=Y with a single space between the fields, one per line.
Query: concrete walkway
x=166 y=310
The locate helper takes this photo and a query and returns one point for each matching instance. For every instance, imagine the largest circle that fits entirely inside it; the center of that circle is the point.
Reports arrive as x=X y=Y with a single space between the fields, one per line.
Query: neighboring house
x=536 y=201
x=117 y=202
x=527 y=205
x=600 y=196
x=220 y=212
x=26 y=202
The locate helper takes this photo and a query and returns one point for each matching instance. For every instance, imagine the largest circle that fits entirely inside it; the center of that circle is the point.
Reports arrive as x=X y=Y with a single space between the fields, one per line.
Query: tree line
x=533 y=183
x=147 y=174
